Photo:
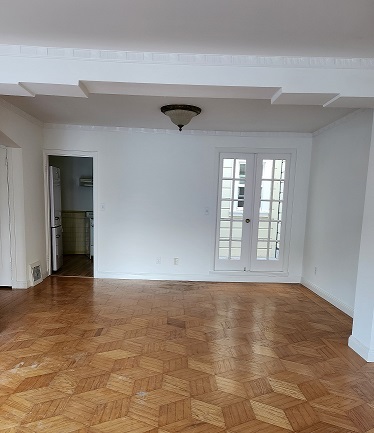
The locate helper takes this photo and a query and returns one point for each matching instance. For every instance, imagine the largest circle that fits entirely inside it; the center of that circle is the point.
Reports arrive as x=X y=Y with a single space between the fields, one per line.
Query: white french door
x=252 y=212
x=234 y=211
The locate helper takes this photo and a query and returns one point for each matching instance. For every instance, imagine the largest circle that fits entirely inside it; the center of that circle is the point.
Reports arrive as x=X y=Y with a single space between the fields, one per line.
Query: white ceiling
x=336 y=28
x=144 y=112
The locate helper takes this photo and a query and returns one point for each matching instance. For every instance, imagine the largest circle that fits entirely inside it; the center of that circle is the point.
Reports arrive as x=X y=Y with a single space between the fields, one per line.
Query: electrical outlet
x=176 y=261
x=158 y=260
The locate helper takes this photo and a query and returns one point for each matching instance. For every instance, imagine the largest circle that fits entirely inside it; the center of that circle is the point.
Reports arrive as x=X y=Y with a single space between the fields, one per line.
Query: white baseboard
x=27 y=283
x=20 y=284
x=364 y=351
x=327 y=297
x=212 y=277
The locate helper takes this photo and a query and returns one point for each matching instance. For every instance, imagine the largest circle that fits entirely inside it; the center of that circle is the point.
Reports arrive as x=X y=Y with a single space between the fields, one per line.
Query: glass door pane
x=234 y=209
x=268 y=235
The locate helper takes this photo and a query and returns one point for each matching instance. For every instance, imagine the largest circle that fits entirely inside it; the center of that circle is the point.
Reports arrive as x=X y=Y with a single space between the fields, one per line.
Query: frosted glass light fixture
x=181 y=115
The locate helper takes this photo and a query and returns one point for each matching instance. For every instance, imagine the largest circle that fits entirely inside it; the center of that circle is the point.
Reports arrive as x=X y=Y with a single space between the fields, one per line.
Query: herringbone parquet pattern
x=98 y=356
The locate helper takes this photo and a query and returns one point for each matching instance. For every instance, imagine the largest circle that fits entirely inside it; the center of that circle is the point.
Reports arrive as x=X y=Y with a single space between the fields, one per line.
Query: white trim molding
x=93 y=128
x=327 y=297
x=198 y=59
x=213 y=276
x=17 y=218
x=21 y=284
x=80 y=154
x=365 y=352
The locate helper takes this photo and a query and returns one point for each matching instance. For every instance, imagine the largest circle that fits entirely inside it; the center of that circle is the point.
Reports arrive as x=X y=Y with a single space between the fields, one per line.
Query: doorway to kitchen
x=71 y=210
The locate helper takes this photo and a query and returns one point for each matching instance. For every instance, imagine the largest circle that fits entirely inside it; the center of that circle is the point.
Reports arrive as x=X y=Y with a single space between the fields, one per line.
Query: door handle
x=57 y=218
x=247 y=220
x=58 y=236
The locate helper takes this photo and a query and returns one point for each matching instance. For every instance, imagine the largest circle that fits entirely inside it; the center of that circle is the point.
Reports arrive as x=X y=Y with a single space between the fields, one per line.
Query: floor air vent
x=36 y=273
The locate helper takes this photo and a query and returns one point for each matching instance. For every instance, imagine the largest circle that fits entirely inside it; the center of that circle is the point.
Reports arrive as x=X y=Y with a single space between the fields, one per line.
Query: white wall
x=362 y=338
x=156 y=186
x=74 y=197
x=335 y=208
x=26 y=171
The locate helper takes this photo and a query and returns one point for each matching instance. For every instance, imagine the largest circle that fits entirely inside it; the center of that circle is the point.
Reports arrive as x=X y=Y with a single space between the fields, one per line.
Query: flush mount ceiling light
x=180 y=115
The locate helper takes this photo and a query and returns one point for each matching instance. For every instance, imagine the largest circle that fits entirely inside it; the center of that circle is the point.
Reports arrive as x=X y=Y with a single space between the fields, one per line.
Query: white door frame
x=80 y=154
x=20 y=277
x=292 y=153
x=6 y=246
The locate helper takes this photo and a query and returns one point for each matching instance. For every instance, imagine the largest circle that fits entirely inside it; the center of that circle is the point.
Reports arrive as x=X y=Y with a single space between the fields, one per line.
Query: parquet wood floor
x=76 y=265
x=108 y=356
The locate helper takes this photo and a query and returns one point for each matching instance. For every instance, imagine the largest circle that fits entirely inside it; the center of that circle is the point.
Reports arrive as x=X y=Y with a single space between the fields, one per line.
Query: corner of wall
x=327 y=297
x=25 y=191
x=365 y=352
x=337 y=177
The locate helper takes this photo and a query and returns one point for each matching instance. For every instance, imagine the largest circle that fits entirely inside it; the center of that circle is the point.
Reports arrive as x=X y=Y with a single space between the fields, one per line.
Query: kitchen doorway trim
x=80 y=154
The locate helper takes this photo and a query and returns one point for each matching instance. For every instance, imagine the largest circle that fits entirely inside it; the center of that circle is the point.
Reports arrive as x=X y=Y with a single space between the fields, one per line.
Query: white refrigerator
x=55 y=212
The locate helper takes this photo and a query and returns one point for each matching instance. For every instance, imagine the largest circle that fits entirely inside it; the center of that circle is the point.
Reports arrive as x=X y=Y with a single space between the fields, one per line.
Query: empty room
x=186 y=207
